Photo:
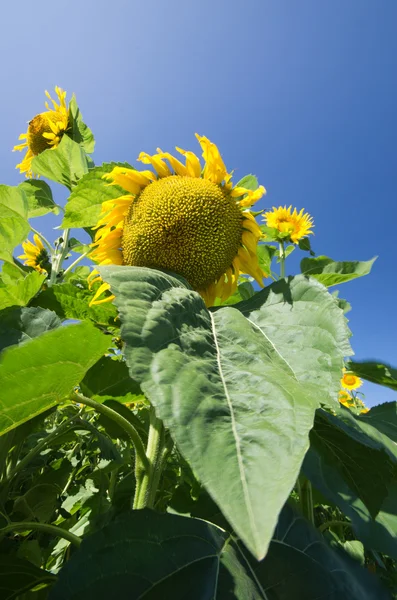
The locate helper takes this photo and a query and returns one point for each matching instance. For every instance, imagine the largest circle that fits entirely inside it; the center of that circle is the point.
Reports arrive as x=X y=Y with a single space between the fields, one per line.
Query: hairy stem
x=59 y=256
x=44 y=528
x=147 y=483
x=282 y=259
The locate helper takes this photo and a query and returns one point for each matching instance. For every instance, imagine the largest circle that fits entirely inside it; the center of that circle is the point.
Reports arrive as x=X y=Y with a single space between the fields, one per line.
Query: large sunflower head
x=292 y=226
x=44 y=131
x=35 y=255
x=184 y=218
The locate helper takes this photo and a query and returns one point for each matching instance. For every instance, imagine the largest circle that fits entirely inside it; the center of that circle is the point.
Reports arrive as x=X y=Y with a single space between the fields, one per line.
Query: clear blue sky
x=301 y=93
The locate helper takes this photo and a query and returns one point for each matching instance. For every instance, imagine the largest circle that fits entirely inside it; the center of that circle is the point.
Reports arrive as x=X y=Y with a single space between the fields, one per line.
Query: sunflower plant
x=180 y=416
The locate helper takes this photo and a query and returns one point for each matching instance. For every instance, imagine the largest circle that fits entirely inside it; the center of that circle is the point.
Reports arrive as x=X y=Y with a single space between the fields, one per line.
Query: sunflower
x=182 y=218
x=350 y=381
x=346 y=399
x=35 y=255
x=292 y=225
x=44 y=131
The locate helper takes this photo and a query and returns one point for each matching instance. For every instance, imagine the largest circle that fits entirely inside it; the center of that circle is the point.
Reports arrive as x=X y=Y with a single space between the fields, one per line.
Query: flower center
x=183 y=224
x=350 y=379
x=37 y=126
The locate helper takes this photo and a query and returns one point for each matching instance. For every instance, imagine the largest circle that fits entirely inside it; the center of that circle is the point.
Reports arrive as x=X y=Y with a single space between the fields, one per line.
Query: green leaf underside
x=72 y=302
x=304 y=322
x=65 y=164
x=19 y=325
x=146 y=555
x=14 y=227
x=342 y=464
x=39 y=198
x=376 y=372
x=18 y=575
x=80 y=132
x=109 y=379
x=300 y=564
x=84 y=204
x=40 y=373
x=330 y=272
x=224 y=390
x=22 y=291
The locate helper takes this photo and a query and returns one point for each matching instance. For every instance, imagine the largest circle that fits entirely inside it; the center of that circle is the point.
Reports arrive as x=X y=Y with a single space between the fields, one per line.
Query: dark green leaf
x=14 y=227
x=109 y=379
x=65 y=164
x=22 y=291
x=306 y=326
x=304 y=244
x=301 y=565
x=202 y=371
x=249 y=182
x=80 y=132
x=330 y=272
x=244 y=291
x=384 y=418
x=18 y=576
x=40 y=373
x=69 y=301
x=265 y=254
x=85 y=202
x=21 y=324
x=376 y=372
x=156 y=556
x=38 y=503
x=39 y=198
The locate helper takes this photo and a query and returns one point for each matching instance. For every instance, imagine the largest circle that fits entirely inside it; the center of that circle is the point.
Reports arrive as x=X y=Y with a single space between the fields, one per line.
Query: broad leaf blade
x=39 y=198
x=232 y=403
x=18 y=575
x=14 y=227
x=80 y=133
x=22 y=291
x=109 y=379
x=65 y=164
x=22 y=324
x=156 y=556
x=330 y=272
x=376 y=372
x=40 y=373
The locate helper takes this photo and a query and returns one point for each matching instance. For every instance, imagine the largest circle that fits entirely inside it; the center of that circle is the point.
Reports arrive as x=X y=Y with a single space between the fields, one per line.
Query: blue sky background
x=302 y=94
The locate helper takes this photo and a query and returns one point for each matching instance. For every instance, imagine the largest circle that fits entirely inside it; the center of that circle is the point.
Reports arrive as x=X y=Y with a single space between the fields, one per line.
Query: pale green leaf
x=330 y=272
x=65 y=164
x=20 y=293
x=14 y=227
x=80 y=132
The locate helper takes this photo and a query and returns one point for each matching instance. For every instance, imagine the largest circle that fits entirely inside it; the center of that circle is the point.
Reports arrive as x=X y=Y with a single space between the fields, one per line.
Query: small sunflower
x=346 y=399
x=350 y=381
x=44 y=131
x=182 y=218
x=35 y=255
x=295 y=225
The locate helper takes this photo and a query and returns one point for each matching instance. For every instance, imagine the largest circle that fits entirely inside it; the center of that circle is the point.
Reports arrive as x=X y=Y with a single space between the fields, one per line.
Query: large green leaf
x=39 y=198
x=65 y=164
x=14 y=227
x=18 y=575
x=223 y=387
x=384 y=418
x=109 y=379
x=342 y=464
x=40 y=373
x=156 y=556
x=84 y=204
x=22 y=291
x=80 y=132
x=375 y=372
x=301 y=565
x=331 y=272
x=22 y=324
x=72 y=302
x=306 y=326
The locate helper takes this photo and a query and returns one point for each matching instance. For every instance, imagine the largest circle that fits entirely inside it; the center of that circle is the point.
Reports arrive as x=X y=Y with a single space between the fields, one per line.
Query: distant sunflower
x=35 y=255
x=296 y=225
x=181 y=218
x=44 y=131
x=346 y=399
x=350 y=381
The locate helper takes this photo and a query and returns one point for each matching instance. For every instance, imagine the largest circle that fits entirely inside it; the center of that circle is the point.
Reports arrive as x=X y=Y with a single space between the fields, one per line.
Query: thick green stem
x=59 y=256
x=44 y=528
x=282 y=260
x=147 y=482
x=306 y=499
x=76 y=262
x=117 y=418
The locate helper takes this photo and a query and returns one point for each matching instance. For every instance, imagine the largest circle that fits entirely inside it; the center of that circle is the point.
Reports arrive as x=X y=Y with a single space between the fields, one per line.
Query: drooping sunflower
x=286 y=221
x=183 y=218
x=35 y=255
x=350 y=381
x=44 y=131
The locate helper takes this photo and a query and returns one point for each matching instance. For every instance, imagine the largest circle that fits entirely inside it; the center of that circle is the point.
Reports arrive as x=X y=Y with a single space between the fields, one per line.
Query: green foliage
x=375 y=372
x=19 y=325
x=40 y=373
x=39 y=198
x=14 y=227
x=65 y=164
x=18 y=576
x=84 y=204
x=109 y=379
x=80 y=132
x=20 y=292
x=330 y=272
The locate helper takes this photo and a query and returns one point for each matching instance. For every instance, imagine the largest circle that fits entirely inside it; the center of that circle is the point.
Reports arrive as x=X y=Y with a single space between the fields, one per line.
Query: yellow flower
x=184 y=218
x=296 y=225
x=35 y=255
x=346 y=399
x=364 y=411
x=44 y=131
x=350 y=381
